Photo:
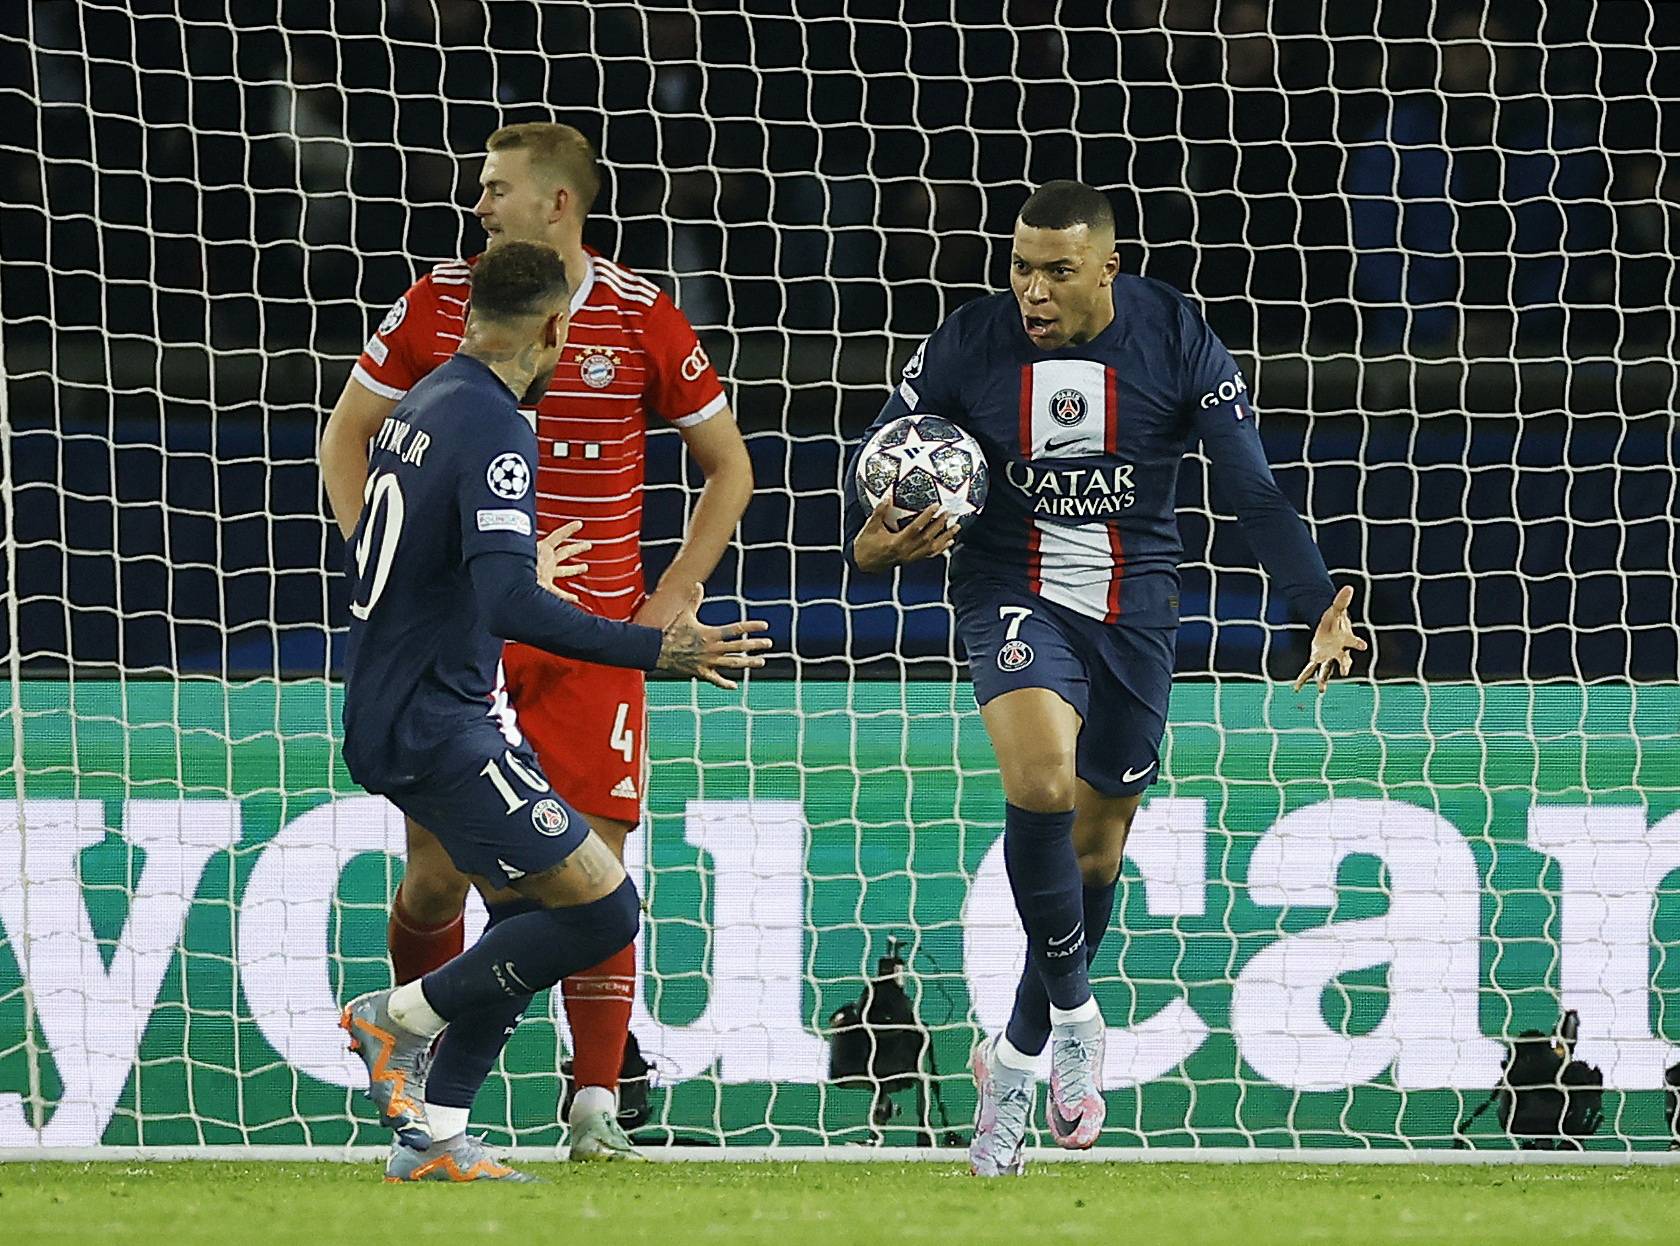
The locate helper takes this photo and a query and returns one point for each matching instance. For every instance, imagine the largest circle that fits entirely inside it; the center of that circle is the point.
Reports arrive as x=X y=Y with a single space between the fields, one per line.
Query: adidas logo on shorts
x=625 y=789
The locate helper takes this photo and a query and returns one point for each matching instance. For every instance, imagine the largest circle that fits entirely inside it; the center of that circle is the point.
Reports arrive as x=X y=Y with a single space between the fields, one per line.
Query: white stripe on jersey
x=1076 y=567
x=624 y=289
x=377 y=387
x=627 y=282
x=1069 y=419
x=1073 y=389
x=703 y=414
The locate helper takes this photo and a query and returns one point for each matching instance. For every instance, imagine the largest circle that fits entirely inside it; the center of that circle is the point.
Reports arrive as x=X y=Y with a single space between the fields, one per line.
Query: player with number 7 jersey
x=630 y=354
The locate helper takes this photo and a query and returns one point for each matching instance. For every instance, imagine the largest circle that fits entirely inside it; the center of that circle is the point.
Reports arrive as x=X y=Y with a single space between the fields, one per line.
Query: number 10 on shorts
x=514 y=801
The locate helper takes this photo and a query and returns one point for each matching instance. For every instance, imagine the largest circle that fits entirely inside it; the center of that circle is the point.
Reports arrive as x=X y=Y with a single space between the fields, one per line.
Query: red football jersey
x=630 y=352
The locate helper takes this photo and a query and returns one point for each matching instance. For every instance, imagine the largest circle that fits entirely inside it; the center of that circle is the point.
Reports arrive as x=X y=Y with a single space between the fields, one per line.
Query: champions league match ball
x=918 y=461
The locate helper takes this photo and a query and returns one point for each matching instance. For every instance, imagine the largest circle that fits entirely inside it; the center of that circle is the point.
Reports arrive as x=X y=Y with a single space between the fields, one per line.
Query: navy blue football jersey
x=1084 y=445
x=450 y=476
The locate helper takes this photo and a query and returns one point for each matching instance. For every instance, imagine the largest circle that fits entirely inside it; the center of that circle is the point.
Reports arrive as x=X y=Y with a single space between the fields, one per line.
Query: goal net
x=1439 y=238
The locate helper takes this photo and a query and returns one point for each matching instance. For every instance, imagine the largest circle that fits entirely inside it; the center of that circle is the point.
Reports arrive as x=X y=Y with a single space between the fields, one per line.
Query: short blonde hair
x=561 y=151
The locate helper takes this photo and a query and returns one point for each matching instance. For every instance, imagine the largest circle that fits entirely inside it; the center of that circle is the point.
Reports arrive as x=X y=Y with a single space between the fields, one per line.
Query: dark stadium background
x=1506 y=514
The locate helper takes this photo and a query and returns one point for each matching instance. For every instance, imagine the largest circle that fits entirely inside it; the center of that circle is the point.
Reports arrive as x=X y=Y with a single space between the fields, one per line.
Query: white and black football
x=918 y=461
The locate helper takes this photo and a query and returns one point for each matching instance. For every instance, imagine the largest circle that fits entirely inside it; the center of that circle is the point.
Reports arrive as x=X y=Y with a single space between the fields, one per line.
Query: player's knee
x=1099 y=867
x=620 y=916
x=1042 y=788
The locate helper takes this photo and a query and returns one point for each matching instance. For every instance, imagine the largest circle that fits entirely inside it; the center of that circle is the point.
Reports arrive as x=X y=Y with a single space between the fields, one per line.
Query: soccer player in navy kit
x=444 y=569
x=1085 y=387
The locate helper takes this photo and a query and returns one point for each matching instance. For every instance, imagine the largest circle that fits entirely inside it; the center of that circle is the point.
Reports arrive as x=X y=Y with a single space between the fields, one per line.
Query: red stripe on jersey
x=1035 y=578
x=1111 y=412
x=1117 y=546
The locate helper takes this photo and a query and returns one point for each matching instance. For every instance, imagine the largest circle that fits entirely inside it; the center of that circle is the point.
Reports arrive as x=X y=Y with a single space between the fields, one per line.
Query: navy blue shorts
x=492 y=808
x=1118 y=678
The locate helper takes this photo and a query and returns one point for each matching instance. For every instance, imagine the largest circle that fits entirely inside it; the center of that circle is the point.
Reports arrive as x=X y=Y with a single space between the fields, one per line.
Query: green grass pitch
x=811 y=1204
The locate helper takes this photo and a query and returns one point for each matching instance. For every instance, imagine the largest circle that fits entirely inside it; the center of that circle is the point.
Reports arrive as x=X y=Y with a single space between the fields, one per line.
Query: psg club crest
x=549 y=817
x=508 y=477
x=598 y=368
x=1067 y=407
x=1014 y=655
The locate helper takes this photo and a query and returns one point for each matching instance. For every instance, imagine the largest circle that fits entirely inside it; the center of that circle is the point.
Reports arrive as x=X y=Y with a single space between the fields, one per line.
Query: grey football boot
x=1003 y=1110
x=1075 y=1107
x=396 y=1061
x=461 y=1158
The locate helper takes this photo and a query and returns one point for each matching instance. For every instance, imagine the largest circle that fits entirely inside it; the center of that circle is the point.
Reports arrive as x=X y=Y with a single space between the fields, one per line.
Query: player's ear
x=1110 y=268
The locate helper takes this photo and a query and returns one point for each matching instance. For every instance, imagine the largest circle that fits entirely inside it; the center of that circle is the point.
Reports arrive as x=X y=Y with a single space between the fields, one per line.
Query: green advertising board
x=1334 y=911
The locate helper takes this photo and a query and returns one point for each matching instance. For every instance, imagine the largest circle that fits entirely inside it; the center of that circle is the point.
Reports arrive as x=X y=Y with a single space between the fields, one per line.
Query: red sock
x=417 y=949
x=598 y=1008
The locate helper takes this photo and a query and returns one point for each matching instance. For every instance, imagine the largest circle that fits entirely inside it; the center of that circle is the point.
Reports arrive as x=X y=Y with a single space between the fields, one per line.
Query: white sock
x=592 y=1100
x=410 y=1009
x=1075 y=1016
x=1012 y=1057
x=446 y=1122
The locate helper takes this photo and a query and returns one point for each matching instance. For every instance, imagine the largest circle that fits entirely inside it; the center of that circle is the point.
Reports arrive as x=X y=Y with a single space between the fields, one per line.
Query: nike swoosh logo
x=1054 y=445
x=1132 y=776
x=1070 y=936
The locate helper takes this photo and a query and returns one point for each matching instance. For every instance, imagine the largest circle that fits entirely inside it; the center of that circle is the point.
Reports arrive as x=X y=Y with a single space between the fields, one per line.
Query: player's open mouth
x=1038 y=326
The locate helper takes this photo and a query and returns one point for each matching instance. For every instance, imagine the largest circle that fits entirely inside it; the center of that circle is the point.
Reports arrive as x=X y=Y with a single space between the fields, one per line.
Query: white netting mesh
x=1440 y=239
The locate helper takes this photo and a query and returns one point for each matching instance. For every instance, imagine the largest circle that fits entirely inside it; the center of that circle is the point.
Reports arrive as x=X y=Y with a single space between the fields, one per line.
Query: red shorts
x=588 y=725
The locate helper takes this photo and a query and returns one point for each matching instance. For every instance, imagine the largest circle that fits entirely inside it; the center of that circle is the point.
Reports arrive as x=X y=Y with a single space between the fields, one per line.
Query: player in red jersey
x=630 y=353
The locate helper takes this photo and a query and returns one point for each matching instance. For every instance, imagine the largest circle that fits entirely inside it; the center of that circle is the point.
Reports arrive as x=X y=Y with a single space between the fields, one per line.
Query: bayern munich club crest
x=598 y=368
x=550 y=817
x=1067 y=407
x=1014 y=655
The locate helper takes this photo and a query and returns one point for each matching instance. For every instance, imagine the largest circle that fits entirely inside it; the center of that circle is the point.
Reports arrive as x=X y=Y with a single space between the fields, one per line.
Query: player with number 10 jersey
x=630 y=353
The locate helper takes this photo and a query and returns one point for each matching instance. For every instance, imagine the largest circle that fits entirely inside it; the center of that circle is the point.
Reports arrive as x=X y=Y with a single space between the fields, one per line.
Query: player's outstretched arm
x=877 y=548
x=515 y=607
x=1333 y=644
x=689 y=647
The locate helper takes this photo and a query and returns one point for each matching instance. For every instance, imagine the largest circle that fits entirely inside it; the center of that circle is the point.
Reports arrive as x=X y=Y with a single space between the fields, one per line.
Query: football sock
x=416 y=948
x=1087 y=1011
x=1044 y=877
x=1012 y=1057
x=1029 y=1024
x=598 y=1011
x=532 y=951
x=590 y=1100
x=469 y=1048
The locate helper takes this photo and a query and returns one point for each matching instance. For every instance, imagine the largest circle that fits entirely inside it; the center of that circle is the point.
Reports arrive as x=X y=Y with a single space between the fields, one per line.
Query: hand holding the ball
x=878 y=547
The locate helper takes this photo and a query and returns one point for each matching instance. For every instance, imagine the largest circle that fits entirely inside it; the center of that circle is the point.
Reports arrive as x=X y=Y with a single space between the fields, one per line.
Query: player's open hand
x=927 y=535
x=1332 y=644
x=557 y=555
x=691 y=648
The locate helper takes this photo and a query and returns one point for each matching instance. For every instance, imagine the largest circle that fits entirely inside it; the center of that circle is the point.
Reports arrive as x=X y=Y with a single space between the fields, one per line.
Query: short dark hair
x=518 y=279
x=1064 y=204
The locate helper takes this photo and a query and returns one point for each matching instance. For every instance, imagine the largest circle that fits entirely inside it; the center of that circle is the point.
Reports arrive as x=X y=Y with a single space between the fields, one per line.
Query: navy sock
x=1044 y=875
x=532 y=951
x=469 y=1048
x=1029 y=1024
